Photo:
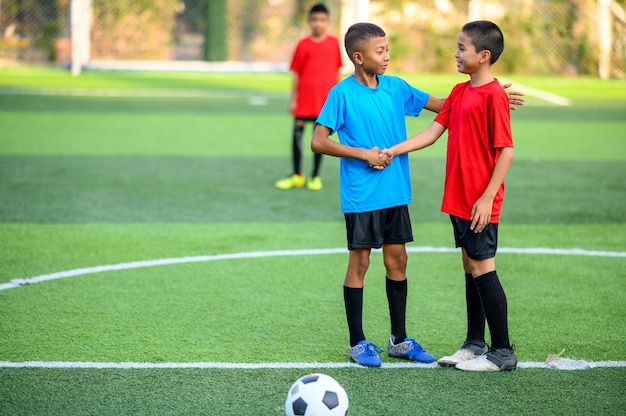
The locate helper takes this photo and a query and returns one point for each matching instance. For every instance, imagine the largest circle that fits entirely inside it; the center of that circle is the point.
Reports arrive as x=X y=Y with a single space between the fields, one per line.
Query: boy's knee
x=482 y=266
x=395 y=264
x=359 y=261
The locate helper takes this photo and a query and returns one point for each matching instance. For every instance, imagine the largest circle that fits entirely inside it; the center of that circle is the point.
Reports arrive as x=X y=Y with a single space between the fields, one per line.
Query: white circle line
x=279 y=253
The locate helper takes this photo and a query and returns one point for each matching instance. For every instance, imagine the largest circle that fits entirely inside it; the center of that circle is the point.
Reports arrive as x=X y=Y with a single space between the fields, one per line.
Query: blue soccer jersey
x=365 y=117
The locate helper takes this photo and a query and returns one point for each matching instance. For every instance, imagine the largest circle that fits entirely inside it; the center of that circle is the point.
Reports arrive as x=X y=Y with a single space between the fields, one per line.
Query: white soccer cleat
x=501 y=359
x=465 y=353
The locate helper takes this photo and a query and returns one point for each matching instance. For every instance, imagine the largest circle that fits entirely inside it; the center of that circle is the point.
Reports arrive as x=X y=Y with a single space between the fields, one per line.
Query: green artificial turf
x=112 y=168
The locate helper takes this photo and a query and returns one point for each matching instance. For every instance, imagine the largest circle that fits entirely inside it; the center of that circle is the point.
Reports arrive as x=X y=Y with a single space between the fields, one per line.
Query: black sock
x=297 y=148
x=317 y=162
x=495 y=307
x=353 y=300
x=396 y=297
x=475 y=313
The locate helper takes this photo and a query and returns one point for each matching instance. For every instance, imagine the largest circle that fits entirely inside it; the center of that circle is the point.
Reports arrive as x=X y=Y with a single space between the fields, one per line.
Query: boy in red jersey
x=479 y=154
x=315 y=66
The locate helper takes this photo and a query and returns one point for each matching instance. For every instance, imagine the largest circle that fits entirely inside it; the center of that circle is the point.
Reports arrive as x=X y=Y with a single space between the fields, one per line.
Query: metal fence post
x=80 y=15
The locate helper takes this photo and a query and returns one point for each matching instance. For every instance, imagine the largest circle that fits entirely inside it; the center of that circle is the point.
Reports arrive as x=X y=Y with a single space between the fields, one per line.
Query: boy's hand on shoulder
x=481 y=214
x=377 y=159
x=515 y=97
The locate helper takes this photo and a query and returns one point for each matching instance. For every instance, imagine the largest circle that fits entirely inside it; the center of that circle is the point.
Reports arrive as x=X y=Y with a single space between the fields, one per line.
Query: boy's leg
x=398 y=232
x=493 y=300
x=358 y=264
x=315 y=182
x=474 y=345
x=485 y=300
x=395 y=259
x=474 y=307
x=317 y=163
x=500 y=357
x=361 y=351
x=296 y=179
x=296 y=146
x=479 y=250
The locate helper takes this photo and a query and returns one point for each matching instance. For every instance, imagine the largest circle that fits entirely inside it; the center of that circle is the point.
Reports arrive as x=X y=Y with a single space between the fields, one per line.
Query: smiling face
x=468 y=59
x=373 y=56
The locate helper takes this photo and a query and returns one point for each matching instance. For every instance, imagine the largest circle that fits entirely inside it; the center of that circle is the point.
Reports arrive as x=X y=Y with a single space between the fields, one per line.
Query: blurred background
x=568 y=37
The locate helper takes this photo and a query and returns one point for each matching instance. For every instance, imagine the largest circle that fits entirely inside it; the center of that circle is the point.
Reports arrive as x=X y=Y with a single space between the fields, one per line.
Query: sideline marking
x=258 y=366
x=544 y=95
x=255 y=254
x=137 y=93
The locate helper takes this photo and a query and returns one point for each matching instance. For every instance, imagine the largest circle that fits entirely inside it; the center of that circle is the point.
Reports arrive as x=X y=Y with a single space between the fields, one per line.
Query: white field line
x=544 y=95
x=183 y=93
x=582 y=364
x=255 y=254
x=136 y=93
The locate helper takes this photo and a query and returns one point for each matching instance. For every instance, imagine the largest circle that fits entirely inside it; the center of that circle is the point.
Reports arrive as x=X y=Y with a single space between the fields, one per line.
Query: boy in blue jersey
x=367 y=111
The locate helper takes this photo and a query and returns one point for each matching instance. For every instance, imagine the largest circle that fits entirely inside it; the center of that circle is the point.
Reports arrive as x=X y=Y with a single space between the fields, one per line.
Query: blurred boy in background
x=315 y=66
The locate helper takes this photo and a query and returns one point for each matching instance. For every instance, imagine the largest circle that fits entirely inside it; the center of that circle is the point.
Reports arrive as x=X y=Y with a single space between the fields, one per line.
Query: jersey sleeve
x=414 y=99
x=338 y=55
x=443 y=117
x=297 y=59
x=499 y=117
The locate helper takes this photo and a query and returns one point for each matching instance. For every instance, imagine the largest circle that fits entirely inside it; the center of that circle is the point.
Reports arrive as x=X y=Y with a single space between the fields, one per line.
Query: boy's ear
x=357 y=57
x=485 y=56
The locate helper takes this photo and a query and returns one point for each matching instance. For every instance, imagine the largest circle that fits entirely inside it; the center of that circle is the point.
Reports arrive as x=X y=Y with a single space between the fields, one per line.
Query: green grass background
x=88 y=179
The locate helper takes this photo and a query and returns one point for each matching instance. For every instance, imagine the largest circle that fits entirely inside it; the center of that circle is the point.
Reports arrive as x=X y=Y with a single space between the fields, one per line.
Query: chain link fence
x=542 y=37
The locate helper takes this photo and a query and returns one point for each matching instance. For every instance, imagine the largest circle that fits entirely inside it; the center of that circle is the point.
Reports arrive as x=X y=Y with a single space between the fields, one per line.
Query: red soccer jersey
x=317 y=65
x=479 y=124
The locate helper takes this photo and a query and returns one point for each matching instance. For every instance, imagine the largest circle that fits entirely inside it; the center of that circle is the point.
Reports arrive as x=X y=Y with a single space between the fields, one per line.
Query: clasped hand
x=378 y=159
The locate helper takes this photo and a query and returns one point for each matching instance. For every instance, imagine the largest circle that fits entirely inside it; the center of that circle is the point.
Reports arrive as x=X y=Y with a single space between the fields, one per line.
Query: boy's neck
x=318 y=38
x=368 y=80
x=481 y=77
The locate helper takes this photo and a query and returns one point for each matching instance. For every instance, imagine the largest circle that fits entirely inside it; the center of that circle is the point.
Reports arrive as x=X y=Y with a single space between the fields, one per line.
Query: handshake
x=378 y=159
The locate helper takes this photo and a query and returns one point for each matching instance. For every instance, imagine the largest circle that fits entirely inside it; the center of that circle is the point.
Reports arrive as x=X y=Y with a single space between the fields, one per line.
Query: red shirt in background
x=317 y=65
x=479 y=124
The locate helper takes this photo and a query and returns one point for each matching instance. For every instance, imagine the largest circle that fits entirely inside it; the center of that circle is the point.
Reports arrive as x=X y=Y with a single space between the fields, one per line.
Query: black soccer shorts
x=478 y=246
x=374 y=228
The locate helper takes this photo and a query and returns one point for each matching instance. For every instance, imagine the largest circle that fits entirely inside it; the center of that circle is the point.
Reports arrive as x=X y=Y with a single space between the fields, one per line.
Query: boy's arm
x=515 y=98
x=434 y=104
x=481 y=211
x=322 y=143
x=418 y=141
x=294 y=93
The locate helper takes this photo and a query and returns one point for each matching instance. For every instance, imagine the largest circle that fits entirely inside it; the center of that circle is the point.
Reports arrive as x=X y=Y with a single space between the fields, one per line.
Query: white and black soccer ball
x=316 y=395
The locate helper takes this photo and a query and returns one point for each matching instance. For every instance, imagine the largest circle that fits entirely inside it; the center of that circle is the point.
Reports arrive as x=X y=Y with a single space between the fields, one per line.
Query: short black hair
x=359 y=33
x=485 y=35
x=319 y=8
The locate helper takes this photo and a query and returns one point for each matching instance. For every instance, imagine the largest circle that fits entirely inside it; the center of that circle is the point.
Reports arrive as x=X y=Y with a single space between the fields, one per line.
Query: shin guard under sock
x=297 y=148
x=475 y=313
x=353 y=300
x=396 y=297
x=495 y=307
x=317 y=162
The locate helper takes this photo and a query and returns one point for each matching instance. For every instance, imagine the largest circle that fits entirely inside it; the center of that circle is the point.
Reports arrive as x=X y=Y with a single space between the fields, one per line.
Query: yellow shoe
x=293 y=181
x=314 y=184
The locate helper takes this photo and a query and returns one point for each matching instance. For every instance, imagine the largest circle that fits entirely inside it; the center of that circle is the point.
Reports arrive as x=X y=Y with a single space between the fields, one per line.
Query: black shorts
x=374 y=228
x=478 y=246
x=306 y=119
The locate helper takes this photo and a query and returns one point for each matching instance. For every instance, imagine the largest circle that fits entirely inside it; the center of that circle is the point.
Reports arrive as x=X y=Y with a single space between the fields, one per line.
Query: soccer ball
x=316 y=395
